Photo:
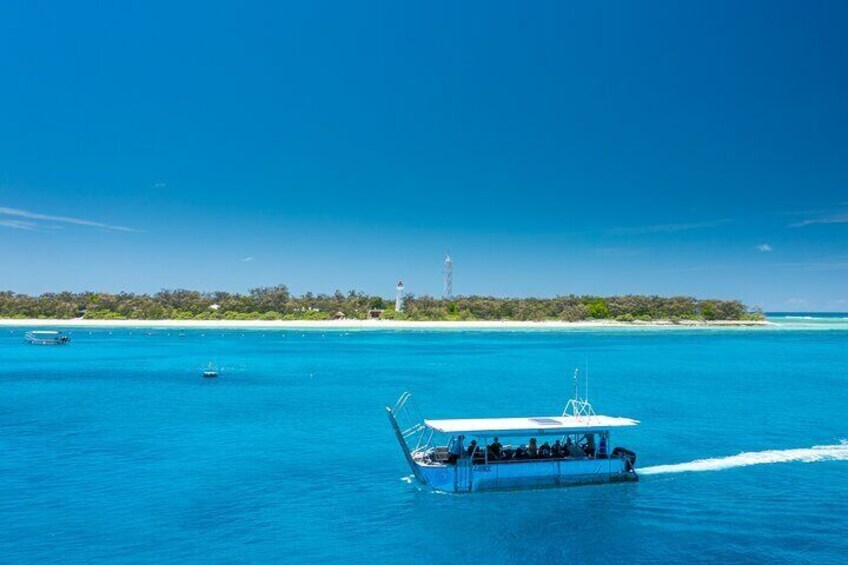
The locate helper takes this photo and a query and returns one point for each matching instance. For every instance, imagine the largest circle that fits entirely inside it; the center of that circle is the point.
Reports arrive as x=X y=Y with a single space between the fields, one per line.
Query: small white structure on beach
x=399 y=297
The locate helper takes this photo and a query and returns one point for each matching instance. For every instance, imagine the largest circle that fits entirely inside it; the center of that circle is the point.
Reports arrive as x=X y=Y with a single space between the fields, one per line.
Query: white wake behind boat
x=575 y=449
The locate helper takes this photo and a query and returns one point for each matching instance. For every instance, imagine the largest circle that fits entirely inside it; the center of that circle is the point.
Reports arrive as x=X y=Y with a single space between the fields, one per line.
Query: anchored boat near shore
x=45 y=337
x=578 y=453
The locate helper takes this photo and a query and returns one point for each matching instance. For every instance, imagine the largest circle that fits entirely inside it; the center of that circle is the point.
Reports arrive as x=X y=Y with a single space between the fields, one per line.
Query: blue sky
x=555 y=148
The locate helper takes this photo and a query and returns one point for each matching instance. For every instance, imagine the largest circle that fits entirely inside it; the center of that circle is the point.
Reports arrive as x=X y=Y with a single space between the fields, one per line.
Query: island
x=277 y=306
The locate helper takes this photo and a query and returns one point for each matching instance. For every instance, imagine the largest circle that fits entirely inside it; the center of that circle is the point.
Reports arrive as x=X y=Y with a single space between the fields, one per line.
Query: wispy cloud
x=19 y=225
x=820 y=265
x=699 y=268
x=834 y=264
x=618 y=251
x=247 y=260
x=33 y=219
x=831 y=219
x=665 y=228
x=764 y=247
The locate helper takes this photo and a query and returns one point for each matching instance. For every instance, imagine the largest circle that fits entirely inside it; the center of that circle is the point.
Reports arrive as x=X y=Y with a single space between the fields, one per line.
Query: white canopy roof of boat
x=541 y=425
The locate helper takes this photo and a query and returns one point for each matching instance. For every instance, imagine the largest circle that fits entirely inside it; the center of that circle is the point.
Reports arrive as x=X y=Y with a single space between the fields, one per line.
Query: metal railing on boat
x=411 y=423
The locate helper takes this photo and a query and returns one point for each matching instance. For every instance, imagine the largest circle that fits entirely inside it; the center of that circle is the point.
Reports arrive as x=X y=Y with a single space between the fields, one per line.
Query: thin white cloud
x=699 y=268
x=832 y=219
x=825 y=264
x=16 y=213
x=618 y=251
x=665 y=228
x=19 y=225
x=835 y=264
x=765 y=247
x=247 y=260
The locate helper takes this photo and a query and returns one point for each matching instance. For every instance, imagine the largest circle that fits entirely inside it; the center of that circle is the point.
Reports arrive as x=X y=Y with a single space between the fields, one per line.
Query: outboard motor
x=628 y=456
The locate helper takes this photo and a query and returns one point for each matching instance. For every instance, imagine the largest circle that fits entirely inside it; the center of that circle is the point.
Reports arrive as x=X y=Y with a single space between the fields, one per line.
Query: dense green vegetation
x=277 y=303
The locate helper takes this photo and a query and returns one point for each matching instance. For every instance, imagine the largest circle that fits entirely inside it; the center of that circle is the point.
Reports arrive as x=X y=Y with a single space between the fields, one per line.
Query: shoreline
x=381 y=324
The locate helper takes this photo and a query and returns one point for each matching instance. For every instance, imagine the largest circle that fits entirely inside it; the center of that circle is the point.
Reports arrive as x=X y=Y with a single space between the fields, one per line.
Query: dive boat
x=577 y=453
x=45 y=337
x=210 y=372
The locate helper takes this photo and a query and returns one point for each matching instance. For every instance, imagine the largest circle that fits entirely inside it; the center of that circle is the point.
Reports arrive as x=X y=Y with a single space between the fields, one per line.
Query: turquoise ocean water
x=114 y=449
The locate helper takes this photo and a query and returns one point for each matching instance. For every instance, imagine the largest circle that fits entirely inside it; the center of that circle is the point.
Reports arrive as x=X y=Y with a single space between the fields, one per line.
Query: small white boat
x=45 y=337
x=210 y=372
x=577 y=452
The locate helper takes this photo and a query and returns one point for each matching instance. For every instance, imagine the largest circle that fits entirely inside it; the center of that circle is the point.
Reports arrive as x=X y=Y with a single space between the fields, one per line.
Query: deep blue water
x=114 y=448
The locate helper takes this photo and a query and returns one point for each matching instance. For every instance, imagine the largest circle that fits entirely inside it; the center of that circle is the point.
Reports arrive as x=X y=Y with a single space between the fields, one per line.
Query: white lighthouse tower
x=399 y=297
x=447 y=271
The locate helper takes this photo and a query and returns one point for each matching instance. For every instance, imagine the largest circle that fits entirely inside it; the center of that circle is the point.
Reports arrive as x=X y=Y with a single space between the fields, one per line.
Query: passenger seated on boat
x=495 y=450
x=556 y=450
x=545 y=450
x=532 y=450
x=456 y=450
x=472 y=448
x=590 y=445
x=520 y=452
x=438 y=454
x=573 y=450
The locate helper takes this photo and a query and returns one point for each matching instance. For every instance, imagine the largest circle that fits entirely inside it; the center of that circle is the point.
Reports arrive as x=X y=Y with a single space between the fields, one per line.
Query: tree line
x=277 y=303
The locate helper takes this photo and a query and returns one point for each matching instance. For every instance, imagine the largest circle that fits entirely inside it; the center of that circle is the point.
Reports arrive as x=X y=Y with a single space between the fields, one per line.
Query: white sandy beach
x=373 y=324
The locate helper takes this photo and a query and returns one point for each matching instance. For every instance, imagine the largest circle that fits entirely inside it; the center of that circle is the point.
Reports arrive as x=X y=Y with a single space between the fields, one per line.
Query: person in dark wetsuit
x=495 y=450
x=532 y=449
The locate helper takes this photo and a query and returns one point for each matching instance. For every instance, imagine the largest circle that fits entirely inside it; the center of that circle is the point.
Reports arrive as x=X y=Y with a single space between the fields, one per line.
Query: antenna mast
x=448 y=273
x=576 y=397
x=579 y=407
